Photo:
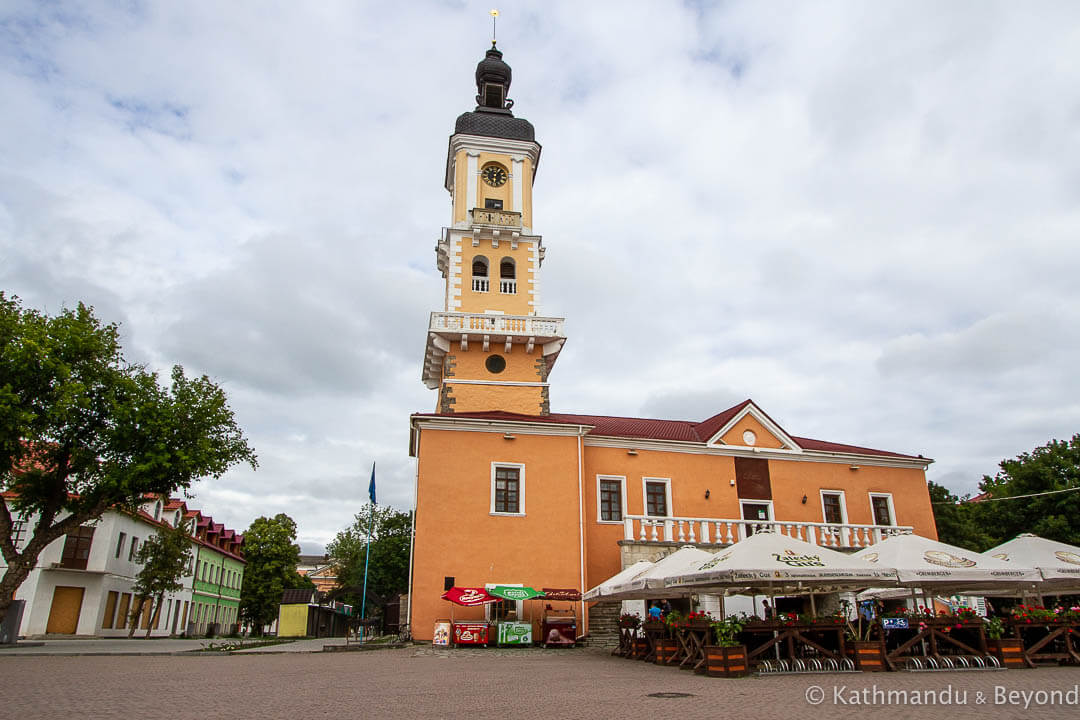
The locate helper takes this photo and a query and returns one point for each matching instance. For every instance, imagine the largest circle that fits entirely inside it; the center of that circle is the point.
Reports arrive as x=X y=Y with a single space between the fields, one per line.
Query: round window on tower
x=495 y=364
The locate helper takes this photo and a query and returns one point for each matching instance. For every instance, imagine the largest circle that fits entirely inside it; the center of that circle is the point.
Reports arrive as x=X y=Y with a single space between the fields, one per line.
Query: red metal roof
x=652 y=429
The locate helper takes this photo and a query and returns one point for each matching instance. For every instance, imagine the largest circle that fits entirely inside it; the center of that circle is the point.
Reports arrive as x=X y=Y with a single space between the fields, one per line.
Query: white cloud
x=862 y=216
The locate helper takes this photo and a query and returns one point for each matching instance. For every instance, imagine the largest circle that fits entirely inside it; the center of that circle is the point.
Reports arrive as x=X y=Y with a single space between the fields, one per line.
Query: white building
x=82 y=583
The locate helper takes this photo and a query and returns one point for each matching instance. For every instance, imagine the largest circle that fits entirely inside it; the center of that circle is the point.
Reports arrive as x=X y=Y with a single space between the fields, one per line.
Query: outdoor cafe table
x=692 y=637
x=1047 y=641
x=791 y=637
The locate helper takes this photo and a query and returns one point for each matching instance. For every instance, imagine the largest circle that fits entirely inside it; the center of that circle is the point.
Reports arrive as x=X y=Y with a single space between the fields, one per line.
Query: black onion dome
x=492 y=69
x=500 y=125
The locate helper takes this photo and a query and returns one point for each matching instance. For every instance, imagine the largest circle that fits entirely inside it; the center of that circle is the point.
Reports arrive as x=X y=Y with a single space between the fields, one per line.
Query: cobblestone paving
x=422 y=682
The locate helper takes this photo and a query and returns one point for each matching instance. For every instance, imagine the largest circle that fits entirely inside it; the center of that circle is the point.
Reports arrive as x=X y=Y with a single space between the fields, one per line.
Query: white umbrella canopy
x=922 y=562
x=1058 y=562
x=650 y=583
x=603 y=590
x=766 y=561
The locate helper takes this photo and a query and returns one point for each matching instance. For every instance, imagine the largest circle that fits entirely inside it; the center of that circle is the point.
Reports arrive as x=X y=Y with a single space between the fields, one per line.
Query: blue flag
x=371 y=485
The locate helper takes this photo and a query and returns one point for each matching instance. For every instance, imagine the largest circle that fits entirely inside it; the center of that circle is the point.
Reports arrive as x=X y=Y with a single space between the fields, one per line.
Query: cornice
x=692 y=448
x=461 y=141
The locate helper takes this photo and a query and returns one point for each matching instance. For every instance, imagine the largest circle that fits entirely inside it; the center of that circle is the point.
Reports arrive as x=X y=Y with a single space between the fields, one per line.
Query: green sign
x=515 y=633
x=509 y=592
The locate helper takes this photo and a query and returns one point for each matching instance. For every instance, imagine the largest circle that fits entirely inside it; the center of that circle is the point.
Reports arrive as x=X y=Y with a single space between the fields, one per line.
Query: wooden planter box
x=666 y=651
x=726 y=661
x=640 y=648
x=869 y=656
x=1009 y=651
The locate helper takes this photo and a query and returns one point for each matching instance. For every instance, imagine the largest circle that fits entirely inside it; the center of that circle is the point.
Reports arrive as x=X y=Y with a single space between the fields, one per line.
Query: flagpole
x=367 y=552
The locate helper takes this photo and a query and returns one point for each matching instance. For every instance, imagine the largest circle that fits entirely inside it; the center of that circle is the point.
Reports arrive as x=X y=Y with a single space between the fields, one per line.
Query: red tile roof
x=652 y=429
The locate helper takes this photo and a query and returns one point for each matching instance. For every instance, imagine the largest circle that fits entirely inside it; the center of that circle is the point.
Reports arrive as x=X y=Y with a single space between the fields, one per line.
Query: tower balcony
x=496 y=218
x=488 y=330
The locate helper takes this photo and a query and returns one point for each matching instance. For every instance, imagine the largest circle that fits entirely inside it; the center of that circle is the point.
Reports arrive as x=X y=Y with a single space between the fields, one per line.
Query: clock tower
x=489 y=349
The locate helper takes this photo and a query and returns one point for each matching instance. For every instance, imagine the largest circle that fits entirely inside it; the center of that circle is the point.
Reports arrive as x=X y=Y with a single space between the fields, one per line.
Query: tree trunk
x=13 y=578
x=150 y=625
x=135 y=615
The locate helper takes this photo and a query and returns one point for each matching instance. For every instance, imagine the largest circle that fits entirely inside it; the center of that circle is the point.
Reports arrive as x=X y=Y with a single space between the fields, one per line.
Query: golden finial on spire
x=494 y=14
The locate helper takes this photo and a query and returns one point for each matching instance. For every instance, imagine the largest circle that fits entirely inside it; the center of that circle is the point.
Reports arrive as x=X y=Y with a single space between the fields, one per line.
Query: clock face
x=494 y=175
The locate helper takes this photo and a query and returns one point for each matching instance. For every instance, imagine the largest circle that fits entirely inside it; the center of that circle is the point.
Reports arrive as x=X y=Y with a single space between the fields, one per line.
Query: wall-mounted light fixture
x=803 y=499
x=508 y=436
x=631 y=451
x=853 y=468
x=706 y=493
x=732 y=482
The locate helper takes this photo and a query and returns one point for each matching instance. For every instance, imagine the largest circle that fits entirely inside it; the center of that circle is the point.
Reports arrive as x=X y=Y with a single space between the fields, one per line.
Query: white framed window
x=760 y=510
x=656 y=496
x=610 y=498
x=833 y=507
x=881 y=509
x=120 y=544
x=507 y=488
x=18 y=532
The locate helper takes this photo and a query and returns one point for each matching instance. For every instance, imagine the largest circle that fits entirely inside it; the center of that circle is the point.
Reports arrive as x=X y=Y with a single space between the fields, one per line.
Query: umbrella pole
x=723 y=610
x=776 y=615
x=813 y=607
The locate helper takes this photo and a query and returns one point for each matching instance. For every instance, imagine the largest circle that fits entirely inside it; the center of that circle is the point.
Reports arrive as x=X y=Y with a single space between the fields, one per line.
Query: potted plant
x=667 y=647
x=727 y=658
x=1008 y=651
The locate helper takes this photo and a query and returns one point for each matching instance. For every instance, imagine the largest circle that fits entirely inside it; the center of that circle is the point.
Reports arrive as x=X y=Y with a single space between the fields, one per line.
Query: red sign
x=469 y=597
x=569 y=594
x=471 y=633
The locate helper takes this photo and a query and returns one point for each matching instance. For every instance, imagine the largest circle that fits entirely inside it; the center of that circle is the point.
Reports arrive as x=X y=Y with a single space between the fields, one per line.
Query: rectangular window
x=492 y=204
x=656 y=498
x=832 y=507
x=77 y=548
x=133 y=549
x=18 y=532
x=508 y=488
x=611 y=499
x=110 y=610
x=120 y=544
x=122 y=611
x=882 y=507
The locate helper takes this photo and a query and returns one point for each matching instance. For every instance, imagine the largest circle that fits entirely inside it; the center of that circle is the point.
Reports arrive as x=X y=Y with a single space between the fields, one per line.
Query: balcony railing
x=498 y=218
x=526 y=325
x=480 y=284
x=722 y=531
x=508 y=287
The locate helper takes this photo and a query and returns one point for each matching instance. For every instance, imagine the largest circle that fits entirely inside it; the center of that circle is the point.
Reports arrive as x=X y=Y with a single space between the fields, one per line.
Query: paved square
x=424 y=683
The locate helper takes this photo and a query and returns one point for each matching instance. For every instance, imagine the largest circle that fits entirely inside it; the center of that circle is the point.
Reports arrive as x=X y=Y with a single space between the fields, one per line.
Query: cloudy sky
x=863 y=216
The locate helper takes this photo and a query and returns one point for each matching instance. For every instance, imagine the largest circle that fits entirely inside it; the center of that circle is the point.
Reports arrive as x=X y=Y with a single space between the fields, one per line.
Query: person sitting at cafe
x=655 y=612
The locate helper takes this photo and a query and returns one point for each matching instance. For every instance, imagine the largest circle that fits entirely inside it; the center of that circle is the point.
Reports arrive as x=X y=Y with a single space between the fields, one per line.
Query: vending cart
x=472 y=633
x=559 y=628
x=467 y=632
x=511 y=628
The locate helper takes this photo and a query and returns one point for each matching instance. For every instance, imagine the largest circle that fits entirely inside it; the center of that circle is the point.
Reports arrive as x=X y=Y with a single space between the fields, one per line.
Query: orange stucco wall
x=510 y=304
x=520 y=367
x=454 y=492
x=764 y=438
x=458 y=536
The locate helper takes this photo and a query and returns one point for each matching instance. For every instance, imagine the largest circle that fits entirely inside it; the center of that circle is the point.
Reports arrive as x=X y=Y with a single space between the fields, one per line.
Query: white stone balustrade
x=480 y=284
x=508 y=287
x=726 y=531
x=527 y=325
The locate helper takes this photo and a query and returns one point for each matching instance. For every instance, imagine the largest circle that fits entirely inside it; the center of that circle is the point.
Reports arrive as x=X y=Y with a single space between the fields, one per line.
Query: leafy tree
x=956 y=520
x=388 y=566
x=164 y=557
x=83 y=430
x=272 y=556
x=1049 y=468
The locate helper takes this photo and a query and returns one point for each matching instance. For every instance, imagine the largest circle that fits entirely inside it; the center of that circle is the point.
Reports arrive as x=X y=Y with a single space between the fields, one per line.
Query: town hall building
x=509 y=492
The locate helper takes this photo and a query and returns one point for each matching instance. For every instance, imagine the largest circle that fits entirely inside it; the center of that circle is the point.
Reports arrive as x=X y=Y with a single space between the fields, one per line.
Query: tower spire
x=494 y=16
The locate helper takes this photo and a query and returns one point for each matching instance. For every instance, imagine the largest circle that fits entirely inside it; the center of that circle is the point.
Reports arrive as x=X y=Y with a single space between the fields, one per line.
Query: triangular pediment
x=750 y=427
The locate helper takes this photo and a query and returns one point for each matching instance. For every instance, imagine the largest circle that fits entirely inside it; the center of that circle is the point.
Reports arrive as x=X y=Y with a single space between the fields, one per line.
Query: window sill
x=506 y=514
x=609 y=522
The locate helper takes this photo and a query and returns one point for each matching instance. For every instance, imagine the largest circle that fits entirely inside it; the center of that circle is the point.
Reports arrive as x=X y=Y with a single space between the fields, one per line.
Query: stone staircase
x=604 y=624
